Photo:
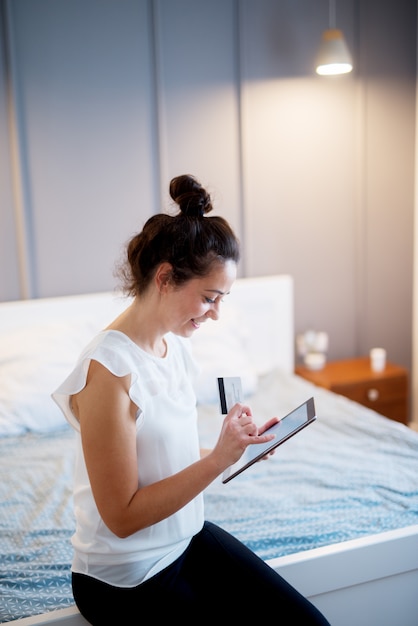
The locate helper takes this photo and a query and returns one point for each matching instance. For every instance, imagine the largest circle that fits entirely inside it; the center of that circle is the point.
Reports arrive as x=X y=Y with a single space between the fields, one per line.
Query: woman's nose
x=213 y=312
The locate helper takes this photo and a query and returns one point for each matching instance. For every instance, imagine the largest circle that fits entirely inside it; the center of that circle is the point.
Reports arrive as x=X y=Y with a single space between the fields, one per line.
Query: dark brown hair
x=189 y=241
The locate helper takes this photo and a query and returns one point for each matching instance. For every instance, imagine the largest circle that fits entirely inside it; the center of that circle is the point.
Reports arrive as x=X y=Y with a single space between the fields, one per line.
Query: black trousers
x=217 y=577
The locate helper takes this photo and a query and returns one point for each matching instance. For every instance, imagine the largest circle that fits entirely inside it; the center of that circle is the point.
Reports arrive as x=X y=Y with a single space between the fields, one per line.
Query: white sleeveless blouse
x=167 y=441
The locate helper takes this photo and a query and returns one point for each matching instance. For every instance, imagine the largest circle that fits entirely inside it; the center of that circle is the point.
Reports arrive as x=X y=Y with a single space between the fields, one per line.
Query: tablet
x=288 y=426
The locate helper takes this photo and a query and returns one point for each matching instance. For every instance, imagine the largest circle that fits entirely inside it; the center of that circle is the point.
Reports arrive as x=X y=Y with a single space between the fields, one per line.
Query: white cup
x=378 y=359
x=314 y=360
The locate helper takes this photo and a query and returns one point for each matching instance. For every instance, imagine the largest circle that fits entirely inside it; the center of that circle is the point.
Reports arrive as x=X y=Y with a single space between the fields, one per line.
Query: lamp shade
x=333 y=56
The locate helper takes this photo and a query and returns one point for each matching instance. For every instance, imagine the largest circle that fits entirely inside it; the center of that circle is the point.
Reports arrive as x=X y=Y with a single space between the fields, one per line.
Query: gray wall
x=103 y=101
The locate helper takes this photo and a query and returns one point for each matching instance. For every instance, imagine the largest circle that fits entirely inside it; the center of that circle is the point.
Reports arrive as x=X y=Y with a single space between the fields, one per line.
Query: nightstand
x=386 y=392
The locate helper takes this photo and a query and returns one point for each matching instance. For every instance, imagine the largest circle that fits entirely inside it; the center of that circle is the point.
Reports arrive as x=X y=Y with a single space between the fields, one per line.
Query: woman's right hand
x=238 y=431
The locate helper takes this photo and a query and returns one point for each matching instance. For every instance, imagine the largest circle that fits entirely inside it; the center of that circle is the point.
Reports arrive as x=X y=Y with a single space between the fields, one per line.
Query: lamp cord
x=332 y=14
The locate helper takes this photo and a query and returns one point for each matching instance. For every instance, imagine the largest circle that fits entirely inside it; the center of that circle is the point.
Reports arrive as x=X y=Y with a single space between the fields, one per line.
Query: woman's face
x=199 y=299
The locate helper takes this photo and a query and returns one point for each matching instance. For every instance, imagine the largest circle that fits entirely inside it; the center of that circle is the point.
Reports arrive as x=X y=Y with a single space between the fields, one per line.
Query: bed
x=335 y=510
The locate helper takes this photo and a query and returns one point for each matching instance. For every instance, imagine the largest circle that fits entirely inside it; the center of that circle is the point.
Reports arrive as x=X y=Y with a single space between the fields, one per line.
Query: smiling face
x=199 y=299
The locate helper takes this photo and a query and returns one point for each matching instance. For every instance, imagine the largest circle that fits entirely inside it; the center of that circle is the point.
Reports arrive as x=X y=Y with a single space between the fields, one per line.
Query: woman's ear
x=163 y=276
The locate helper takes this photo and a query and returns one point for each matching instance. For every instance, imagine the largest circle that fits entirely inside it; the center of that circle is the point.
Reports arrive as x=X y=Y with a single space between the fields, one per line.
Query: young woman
x=141 y=541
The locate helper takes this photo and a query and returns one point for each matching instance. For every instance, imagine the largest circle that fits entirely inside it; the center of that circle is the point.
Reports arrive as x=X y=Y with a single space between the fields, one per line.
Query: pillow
x=219 y=348
x=33 y=362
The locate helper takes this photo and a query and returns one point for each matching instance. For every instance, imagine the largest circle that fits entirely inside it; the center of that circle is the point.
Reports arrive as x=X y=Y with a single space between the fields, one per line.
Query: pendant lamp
x=333 y=55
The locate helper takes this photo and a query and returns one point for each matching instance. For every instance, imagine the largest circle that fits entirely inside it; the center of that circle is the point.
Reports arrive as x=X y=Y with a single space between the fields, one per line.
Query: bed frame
x=367 y=582
x=371 y=581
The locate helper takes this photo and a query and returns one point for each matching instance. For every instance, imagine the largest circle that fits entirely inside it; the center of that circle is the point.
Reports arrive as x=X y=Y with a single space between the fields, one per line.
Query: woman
x=141 y=541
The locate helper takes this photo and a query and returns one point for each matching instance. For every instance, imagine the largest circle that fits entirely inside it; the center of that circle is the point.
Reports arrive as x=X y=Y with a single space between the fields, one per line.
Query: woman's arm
x=108 y=431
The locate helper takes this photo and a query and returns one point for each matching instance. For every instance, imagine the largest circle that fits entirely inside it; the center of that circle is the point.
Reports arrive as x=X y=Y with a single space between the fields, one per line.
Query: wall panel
x=199 y=98
x=86 y=98
x=388 y=73
x=299 y=172
x=10 y=287
x=114 y=97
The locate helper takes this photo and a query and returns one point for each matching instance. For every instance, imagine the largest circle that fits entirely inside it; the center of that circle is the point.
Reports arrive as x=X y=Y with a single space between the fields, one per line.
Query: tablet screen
x=287 y=427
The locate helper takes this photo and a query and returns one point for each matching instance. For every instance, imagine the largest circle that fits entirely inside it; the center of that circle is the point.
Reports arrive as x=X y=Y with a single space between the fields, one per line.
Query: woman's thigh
x=216 y=576
x=220 y=571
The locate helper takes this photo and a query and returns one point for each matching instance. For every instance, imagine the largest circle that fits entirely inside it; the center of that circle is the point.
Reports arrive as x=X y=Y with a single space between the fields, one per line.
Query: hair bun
x=192 y=198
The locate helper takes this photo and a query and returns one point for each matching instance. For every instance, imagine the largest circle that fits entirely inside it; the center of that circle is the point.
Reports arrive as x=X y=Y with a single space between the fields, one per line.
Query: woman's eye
x=213 y=300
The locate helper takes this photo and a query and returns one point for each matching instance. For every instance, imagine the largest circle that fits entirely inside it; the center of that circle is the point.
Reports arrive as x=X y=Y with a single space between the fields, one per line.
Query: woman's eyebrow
x=221 y=293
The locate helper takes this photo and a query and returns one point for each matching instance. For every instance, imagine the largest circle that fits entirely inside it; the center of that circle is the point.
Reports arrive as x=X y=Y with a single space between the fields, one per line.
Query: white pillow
x=33 y=362
x=219 y=347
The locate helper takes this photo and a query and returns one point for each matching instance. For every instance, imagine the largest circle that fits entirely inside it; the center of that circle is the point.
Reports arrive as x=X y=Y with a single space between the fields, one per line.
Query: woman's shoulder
x=111 y=346
x=108 y=339
x=113 y=349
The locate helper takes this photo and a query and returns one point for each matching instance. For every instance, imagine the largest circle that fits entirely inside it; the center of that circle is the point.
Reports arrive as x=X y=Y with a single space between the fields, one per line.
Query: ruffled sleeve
x=109 y=349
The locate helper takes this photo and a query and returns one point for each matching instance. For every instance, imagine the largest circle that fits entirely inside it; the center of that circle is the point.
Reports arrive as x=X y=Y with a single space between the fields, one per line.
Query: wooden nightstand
x=386 y=392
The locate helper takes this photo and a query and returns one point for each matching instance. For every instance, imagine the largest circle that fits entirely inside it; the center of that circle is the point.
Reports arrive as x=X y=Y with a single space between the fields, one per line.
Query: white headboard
x=264 y=305
x=41 y=339
x=102 y=307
